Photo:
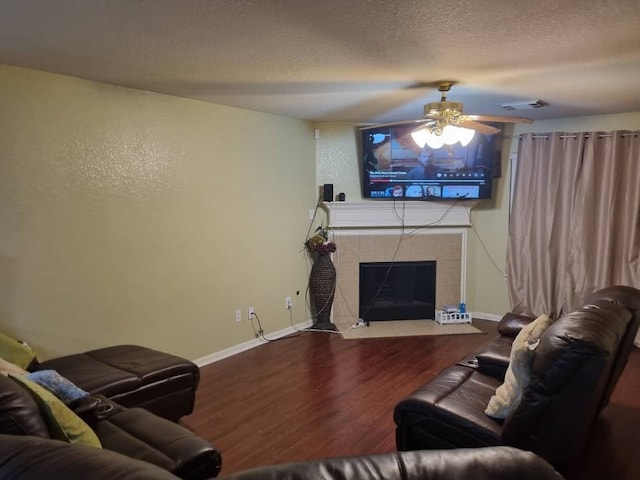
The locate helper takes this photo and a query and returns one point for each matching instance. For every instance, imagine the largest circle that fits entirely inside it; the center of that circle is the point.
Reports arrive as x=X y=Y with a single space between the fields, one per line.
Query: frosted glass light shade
x=450 y=134
x=420 y=136
x=465 y=135
x=435 y=141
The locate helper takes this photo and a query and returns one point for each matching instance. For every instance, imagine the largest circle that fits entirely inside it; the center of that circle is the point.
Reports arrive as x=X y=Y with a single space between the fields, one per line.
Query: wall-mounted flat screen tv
x=395 y=167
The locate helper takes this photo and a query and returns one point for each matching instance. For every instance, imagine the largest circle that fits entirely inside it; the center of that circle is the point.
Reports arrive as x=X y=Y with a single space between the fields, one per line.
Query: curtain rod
x=586 y=135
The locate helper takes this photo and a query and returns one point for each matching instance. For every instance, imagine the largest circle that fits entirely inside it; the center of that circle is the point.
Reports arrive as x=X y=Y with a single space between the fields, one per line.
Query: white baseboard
x=486 y=316
x=242 y=347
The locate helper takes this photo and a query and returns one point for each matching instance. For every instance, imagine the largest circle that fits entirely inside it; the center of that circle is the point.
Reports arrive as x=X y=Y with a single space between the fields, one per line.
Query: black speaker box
x=327 y=192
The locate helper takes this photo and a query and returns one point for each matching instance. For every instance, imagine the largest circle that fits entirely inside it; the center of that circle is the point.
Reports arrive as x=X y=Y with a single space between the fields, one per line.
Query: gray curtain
x=574 y=219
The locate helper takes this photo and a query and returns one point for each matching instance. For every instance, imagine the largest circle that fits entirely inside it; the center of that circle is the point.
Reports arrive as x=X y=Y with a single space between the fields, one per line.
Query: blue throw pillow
x=62 y=388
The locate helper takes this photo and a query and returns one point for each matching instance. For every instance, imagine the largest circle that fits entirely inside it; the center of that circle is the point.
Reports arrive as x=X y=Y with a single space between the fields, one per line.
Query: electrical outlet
x=238 y=315
x=251 y=312
x=288 y=304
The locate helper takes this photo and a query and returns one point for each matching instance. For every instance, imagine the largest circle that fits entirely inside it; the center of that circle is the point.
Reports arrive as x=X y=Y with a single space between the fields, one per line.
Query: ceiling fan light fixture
x=444 y=122
x=436 y=138
x=442 y=108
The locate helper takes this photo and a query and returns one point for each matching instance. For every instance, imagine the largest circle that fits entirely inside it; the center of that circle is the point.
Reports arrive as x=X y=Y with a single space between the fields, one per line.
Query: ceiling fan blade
x=434 y=117
x=393 y=124
x=479 y=127
x=499 y=119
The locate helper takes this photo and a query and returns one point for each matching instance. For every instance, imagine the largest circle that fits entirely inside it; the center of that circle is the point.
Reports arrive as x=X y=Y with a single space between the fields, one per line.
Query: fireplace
x=378 y=232
x=397 y=290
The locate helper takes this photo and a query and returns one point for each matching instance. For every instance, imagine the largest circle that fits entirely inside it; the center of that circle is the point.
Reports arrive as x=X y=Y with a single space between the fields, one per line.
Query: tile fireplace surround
x=373 y=232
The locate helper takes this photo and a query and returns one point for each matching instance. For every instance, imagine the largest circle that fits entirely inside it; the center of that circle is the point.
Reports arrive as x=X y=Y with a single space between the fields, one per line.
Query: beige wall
x=486 y=287
x=129 y=216
x=487 y=246
x=337 y=153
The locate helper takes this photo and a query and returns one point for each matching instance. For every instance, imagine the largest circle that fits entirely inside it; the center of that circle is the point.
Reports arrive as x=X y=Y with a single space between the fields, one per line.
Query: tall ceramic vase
x=322 y=286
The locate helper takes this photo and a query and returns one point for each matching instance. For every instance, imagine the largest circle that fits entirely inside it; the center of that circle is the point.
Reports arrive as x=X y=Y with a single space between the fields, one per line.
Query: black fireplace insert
x=397 y=290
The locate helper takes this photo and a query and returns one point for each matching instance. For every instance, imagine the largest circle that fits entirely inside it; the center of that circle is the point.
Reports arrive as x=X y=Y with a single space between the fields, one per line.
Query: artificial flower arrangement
x=319 y=242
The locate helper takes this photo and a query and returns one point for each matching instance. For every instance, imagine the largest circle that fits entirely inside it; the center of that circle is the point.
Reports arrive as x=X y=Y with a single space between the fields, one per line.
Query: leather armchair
x=574 y=369
x=498 y=463
x=135 y=433
x=132 y=376
x=493 y=358
x=33 y=458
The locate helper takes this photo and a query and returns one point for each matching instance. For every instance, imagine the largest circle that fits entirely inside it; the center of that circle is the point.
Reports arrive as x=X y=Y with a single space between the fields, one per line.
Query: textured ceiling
x=342 y=60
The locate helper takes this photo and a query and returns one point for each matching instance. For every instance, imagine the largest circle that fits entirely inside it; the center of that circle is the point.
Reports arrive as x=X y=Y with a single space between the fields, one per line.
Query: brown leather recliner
x=135 y=432
x=57 y=460
x=36 y=458
x=497 y=463
x=628 y=298
x=574 y=370
x=493 y=358
x=132 y=376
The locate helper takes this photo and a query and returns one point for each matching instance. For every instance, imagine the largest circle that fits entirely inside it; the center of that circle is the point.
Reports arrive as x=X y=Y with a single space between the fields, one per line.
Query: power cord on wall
x=260 y=332
x=484 y=246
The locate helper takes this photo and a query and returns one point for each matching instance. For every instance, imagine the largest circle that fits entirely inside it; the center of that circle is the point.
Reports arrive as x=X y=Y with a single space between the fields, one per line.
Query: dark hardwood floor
x=315 y=395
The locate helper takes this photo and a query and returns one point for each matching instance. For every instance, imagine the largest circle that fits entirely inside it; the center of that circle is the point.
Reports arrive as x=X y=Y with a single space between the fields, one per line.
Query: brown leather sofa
x=60 y=461
x=135 y=432
x=132 y=376
x=574 y=369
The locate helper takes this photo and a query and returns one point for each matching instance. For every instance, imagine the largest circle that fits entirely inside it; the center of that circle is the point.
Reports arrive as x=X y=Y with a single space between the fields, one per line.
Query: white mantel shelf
x=385 y=213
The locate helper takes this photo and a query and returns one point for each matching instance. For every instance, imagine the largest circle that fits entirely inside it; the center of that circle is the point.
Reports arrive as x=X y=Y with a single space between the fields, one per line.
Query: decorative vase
x=322 y=286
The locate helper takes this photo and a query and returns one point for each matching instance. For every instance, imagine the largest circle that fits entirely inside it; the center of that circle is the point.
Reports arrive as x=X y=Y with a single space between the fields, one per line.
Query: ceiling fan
x=445 y=124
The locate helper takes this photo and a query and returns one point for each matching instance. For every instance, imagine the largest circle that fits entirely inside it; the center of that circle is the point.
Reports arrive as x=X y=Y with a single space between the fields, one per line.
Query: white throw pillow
x=518 y=376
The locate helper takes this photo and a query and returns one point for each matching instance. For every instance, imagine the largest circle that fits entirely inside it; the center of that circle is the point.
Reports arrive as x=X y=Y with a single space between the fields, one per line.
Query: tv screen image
x=395 y=167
